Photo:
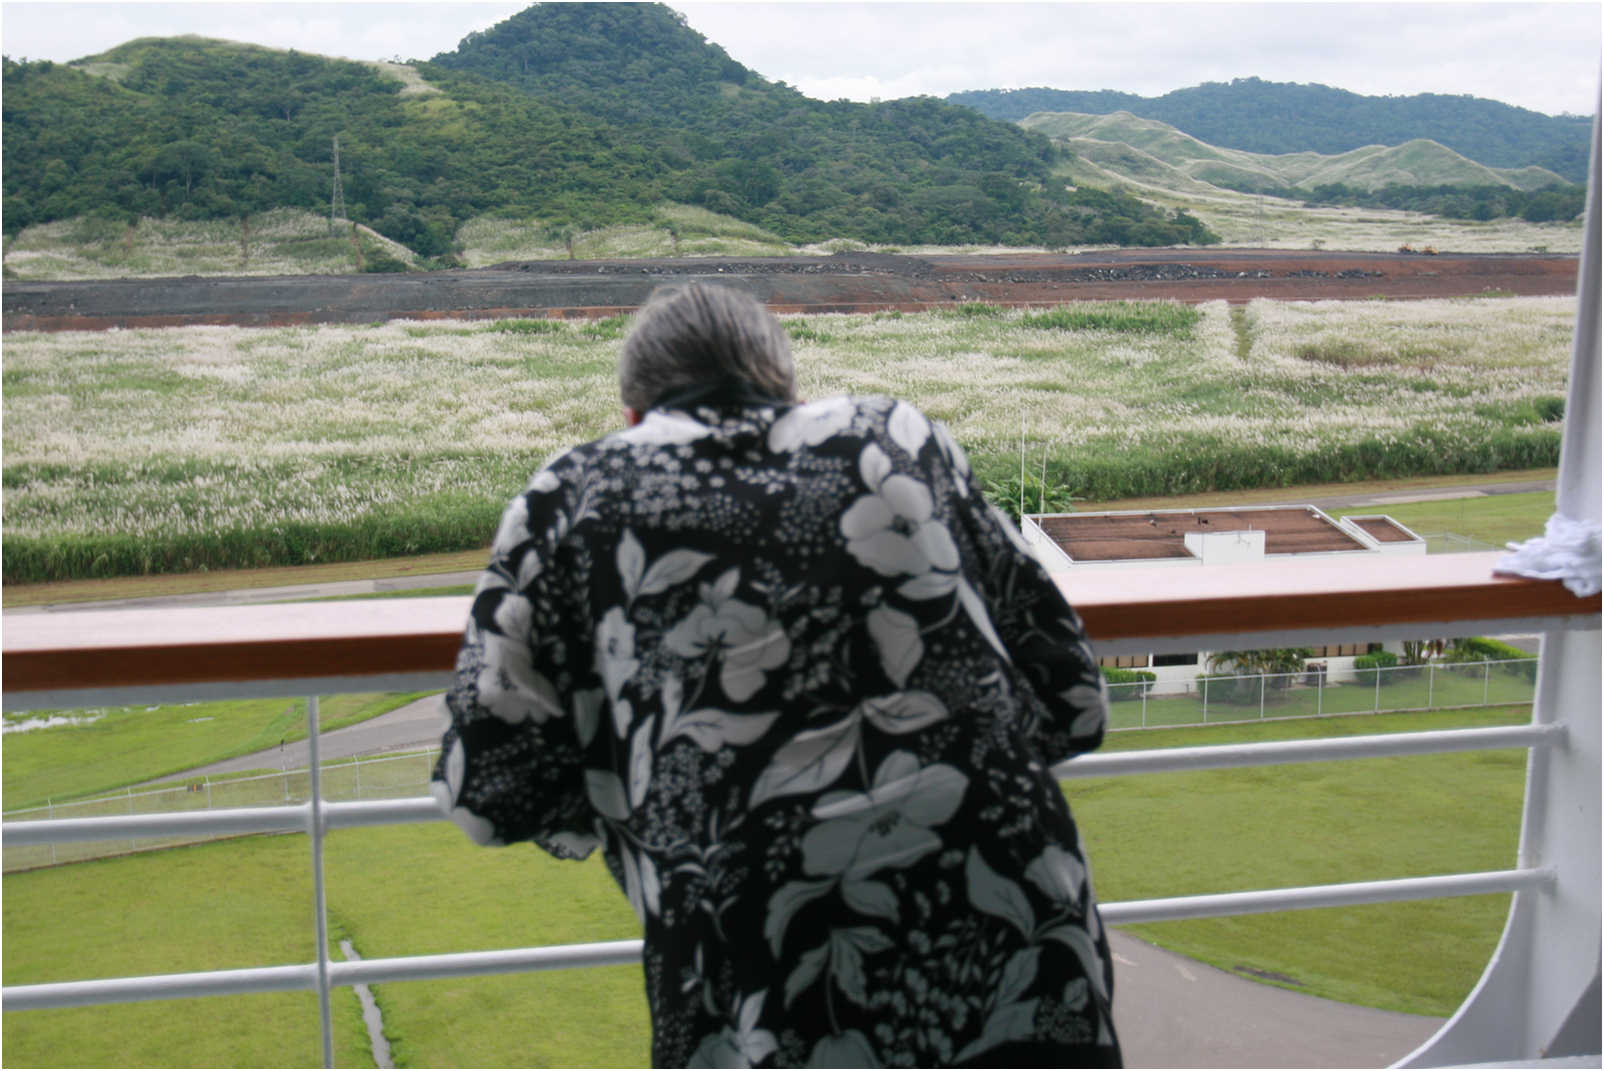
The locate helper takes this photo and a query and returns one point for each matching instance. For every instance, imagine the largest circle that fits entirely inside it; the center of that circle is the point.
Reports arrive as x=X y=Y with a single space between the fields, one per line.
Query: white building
x=1187 y=538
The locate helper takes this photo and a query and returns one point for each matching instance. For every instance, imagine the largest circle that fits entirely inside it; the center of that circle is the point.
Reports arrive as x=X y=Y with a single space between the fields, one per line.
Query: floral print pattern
x=804 y=688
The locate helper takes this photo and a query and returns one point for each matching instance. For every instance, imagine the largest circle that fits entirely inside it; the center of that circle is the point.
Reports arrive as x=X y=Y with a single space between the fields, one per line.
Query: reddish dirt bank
x=851 y=282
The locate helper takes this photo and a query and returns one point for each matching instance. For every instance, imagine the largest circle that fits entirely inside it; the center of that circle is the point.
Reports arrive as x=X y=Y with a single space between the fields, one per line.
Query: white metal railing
x=1538 y=997
x=319 y=816
x=314 y=820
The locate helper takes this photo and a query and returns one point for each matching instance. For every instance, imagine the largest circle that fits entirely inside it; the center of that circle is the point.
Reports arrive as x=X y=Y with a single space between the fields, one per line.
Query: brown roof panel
x=1162 y=533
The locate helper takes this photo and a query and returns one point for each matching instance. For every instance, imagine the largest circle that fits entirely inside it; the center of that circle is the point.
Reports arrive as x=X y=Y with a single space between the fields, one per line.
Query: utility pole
x=337 y=200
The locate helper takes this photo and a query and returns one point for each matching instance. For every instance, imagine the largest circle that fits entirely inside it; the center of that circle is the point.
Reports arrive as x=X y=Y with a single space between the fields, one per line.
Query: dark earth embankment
x=850 y=282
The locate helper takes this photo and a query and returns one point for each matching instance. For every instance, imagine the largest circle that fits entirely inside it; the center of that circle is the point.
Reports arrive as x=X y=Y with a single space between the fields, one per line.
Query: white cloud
x=1536 y=55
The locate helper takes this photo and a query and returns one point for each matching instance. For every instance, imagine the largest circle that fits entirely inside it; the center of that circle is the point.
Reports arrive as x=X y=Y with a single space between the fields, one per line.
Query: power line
x=337 y=200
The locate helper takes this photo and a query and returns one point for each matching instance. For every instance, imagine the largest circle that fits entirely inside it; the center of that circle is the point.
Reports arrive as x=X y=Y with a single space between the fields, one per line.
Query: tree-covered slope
x=580 y=115
x=914 y=170
x=1284 y=117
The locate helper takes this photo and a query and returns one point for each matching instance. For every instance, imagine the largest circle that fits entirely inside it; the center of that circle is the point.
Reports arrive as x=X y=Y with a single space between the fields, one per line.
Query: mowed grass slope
x=265 y=447
x=411 y=890
x=109 y=747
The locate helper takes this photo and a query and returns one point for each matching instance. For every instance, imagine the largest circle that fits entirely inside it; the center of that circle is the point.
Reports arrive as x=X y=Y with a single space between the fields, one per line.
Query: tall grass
x=211 y=447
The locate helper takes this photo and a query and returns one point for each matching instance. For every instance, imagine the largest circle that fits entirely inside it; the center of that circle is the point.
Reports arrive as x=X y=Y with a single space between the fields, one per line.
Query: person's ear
x=631 y=418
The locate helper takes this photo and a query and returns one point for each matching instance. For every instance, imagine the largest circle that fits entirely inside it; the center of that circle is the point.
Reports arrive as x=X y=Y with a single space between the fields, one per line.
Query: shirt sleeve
x=1041 y=632
x=511 y=761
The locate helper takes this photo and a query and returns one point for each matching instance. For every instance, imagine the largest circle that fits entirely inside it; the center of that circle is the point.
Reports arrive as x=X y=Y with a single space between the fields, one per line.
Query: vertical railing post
x=1262 y=679
x=1375 y=707
x=1320 y=692
x=1431 y=681
x=1539 y=997
x=1145 y=686
x=320 y=914
x=1486 y=679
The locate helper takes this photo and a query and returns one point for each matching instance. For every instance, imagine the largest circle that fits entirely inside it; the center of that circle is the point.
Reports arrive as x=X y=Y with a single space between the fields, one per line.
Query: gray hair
x=691 y=334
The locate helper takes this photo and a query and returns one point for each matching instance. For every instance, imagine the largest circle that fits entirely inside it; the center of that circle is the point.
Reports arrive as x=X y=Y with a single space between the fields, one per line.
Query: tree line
x=581 y=115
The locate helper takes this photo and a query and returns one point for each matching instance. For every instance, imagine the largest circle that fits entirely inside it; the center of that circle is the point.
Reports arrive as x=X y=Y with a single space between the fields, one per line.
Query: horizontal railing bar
x=1349 y=894
x=51 y=657
x=616 y=953
x=292 y=819
x=1273 y=753
x=424 y=808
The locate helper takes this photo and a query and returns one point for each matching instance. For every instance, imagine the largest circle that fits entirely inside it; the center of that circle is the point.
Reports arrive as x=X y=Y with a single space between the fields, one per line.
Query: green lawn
x=1492 y=519
x=132 y=745
x=1399 y=690
x=412 y=890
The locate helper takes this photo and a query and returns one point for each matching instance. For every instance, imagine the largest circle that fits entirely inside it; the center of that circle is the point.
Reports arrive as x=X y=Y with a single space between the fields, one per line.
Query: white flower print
x=811 y=424
x=888 y=826
x=445 y=793
x=659 y=428
x=615 y=651
x=742 y=1045
x=509 y=685
x=893 y=533
x=746 y=641
x=1058 y=874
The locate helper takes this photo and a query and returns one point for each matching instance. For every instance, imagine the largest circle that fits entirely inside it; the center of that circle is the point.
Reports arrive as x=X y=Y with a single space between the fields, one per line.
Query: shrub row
x=1192 y=468
x=26 y=559
x=1127 y=683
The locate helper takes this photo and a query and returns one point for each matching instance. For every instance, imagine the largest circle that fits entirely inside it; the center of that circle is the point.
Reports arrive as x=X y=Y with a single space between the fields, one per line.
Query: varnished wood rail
x=342 y=645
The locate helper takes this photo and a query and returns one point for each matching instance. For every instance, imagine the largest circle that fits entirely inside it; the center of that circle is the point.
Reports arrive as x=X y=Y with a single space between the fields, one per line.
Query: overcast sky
x=1543 y=56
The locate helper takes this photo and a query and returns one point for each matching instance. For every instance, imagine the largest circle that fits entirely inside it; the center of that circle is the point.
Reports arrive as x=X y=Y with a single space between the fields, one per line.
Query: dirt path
x=848 y=282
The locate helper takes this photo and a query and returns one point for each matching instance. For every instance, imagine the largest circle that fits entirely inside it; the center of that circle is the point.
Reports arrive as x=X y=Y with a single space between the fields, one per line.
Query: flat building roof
x=1157 y=534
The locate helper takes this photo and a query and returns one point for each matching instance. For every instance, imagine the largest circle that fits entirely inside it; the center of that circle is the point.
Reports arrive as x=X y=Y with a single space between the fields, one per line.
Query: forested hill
x=579 y=115
x=1285 y=117
x=915 y=170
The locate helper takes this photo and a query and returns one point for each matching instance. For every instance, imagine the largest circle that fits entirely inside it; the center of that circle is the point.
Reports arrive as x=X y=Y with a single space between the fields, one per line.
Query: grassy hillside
x=1281 y=117
x=1414 y=163
x=1221 y=187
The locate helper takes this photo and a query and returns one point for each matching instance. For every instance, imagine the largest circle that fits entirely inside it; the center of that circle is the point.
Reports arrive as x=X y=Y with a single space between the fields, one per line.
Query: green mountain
x=1124 y=142
x=580 y=115
x=1280 y=118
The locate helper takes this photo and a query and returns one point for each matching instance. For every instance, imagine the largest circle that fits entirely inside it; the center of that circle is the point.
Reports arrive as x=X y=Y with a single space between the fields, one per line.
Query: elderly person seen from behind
x=804 y=688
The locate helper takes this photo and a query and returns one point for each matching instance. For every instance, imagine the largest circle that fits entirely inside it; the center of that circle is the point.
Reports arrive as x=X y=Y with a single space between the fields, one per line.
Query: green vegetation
x=261 y=447
x=1281 y=118
x=1306 y=824
x=1120 y=317
x=112 y=747
x=580 y=117
x=236 y=904
x=1491 y=519
x=1149 y=836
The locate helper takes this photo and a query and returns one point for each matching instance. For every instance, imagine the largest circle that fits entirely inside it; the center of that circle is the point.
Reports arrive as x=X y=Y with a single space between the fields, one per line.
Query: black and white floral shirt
x=804 y=687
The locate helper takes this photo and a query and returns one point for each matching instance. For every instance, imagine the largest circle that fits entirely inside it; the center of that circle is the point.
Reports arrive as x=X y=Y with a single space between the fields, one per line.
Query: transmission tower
x=337 y=200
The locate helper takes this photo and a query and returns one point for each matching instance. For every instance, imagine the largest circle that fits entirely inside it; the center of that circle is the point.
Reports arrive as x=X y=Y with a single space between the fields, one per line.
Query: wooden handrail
x=123 y=648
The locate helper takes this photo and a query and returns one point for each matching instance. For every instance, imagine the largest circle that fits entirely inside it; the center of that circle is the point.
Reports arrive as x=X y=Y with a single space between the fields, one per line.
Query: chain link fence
x=391 y=777
x=1312 y=693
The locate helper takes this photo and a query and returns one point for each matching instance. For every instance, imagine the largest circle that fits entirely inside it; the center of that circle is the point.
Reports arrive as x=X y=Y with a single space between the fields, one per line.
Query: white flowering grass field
x=413 y=890
x=181 y=449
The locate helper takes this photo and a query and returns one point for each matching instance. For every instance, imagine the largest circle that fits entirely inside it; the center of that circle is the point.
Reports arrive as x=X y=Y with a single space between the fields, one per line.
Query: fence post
x=1375 y=707
x=1320 y=693
x=320 y=917
x=1205 y=700
x=1431 y=681
x=1144 y=705
x=1262 y=677
x=1486 y=676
